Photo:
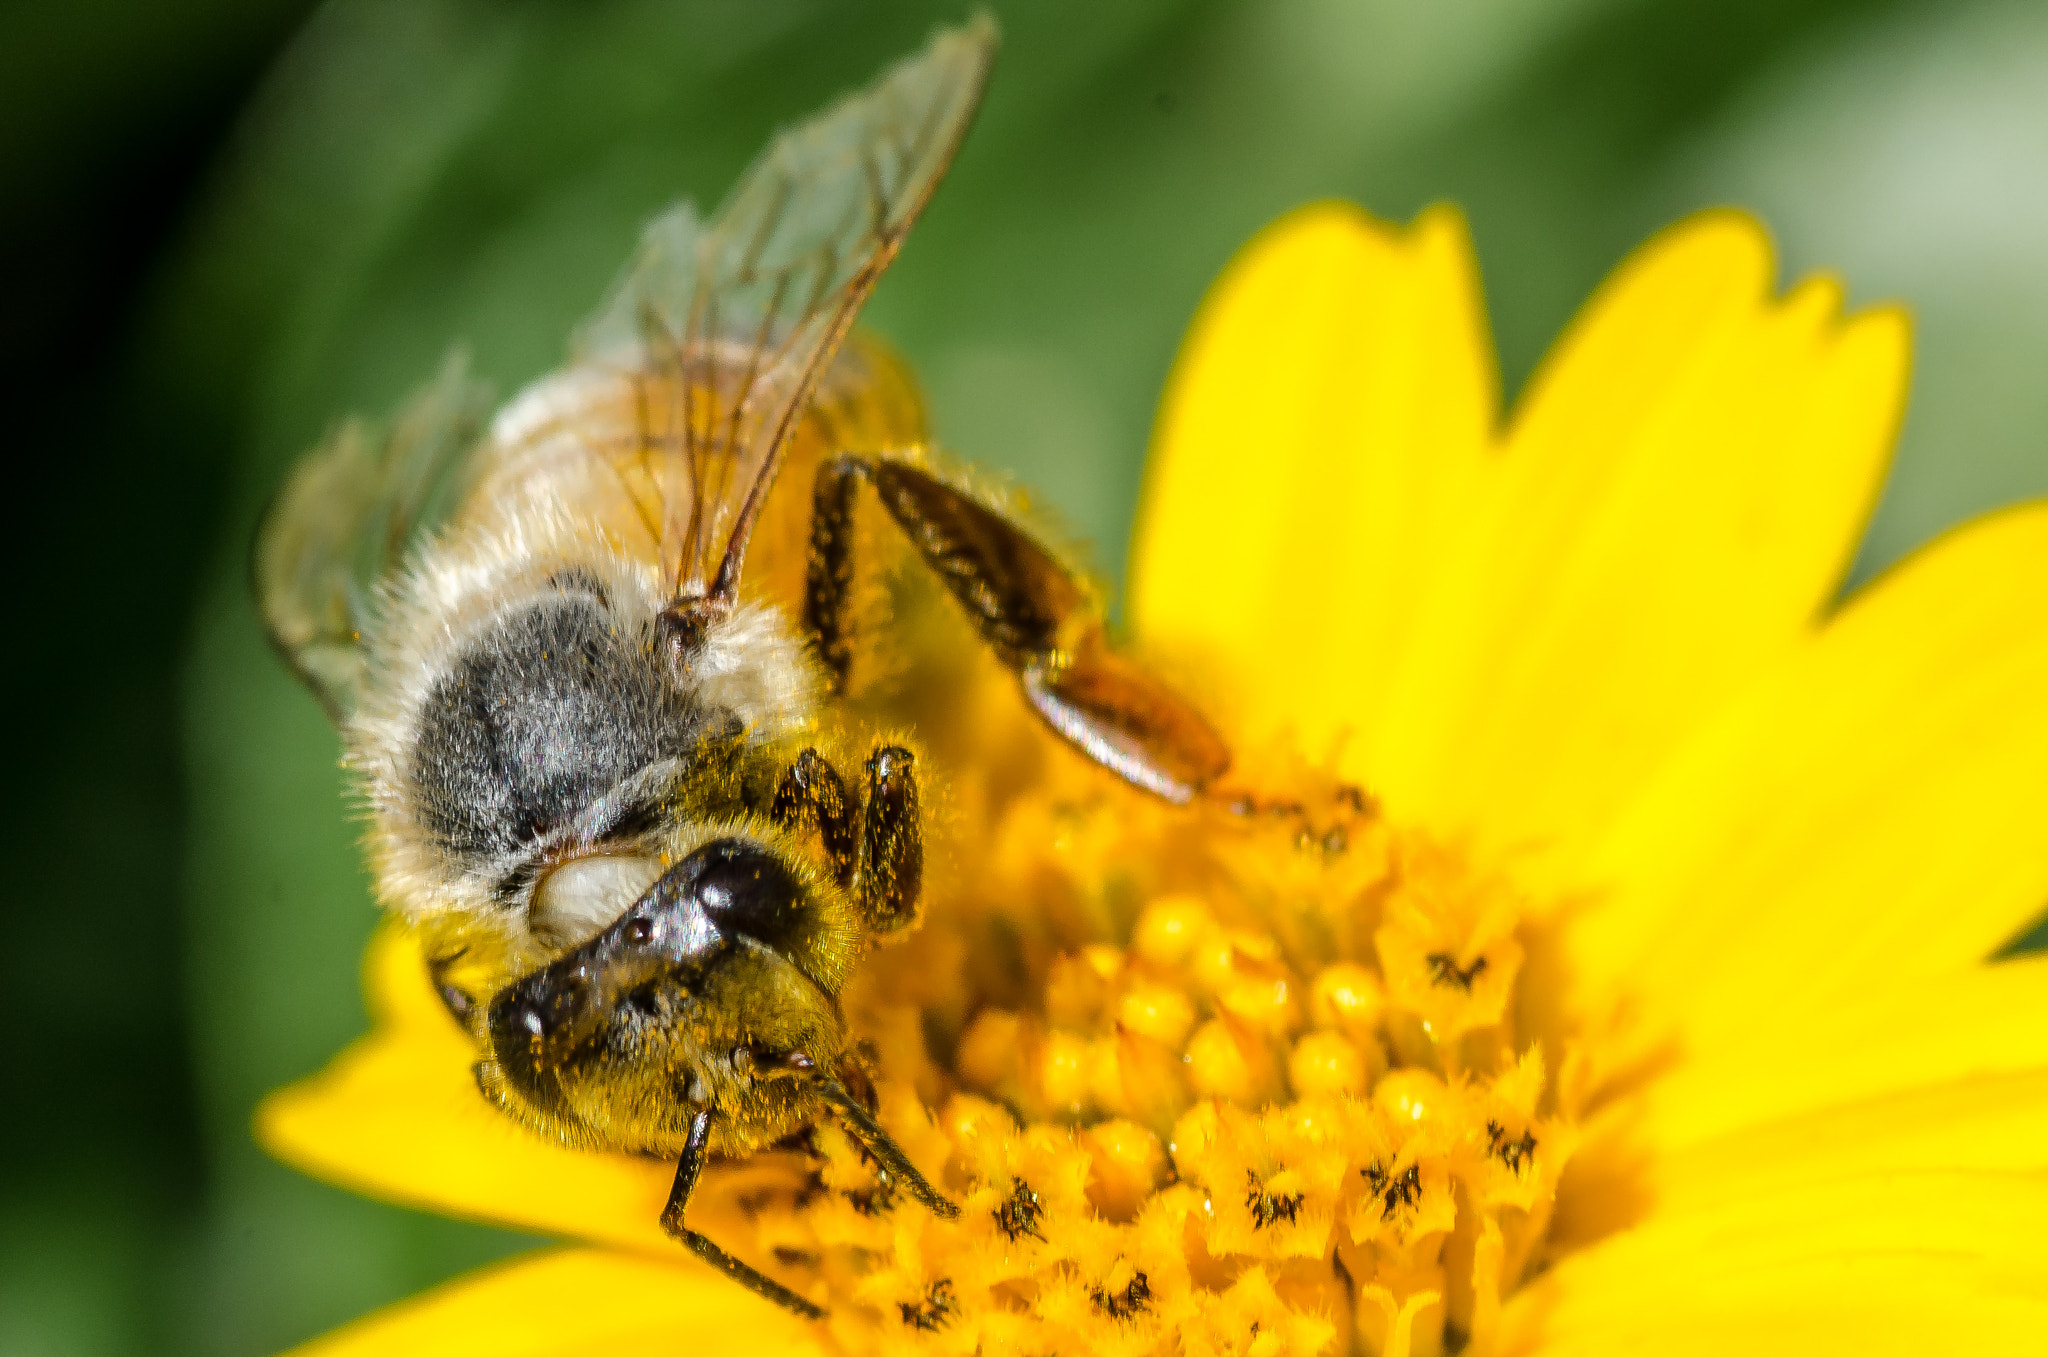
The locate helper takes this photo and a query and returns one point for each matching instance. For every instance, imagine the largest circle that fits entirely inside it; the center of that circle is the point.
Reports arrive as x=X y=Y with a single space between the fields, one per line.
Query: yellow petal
x=1319 y=436
x=573 y=1303
x=1980 y=1022
x=1868 y=818
x=397 y=1116
x=1985 y=1124
x=1629 y=1170
x=1907 y=1263
x=1681 y=491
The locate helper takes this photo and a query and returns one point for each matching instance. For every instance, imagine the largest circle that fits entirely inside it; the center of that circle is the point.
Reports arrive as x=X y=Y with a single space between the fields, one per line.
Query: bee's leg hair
x=890 y=874
x=828 y=572
x=672 y=1221
x=1029 y=609
x=811 y=795
x=876 y=1142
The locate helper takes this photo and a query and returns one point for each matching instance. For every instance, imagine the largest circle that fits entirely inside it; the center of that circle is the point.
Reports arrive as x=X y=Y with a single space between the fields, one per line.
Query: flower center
x=1258 y=1079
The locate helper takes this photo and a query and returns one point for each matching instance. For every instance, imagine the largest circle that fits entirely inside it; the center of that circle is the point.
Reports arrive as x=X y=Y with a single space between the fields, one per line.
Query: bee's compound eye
x=747 y=889
x=580 y=898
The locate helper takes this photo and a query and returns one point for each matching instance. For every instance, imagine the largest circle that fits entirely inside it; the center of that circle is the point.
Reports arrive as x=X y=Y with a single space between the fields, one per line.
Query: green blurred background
x=226 y=221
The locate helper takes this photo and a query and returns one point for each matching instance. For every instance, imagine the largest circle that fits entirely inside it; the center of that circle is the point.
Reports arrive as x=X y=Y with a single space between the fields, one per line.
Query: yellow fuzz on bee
x=1245 y=1080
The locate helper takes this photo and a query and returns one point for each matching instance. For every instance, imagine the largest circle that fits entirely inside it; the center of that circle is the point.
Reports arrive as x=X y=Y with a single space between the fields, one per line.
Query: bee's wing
x=739 y=315
x=345 y=519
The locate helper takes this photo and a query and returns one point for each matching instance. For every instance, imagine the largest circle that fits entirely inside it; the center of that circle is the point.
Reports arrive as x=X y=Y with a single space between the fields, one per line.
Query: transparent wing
x=736 y=317
x=346 y=517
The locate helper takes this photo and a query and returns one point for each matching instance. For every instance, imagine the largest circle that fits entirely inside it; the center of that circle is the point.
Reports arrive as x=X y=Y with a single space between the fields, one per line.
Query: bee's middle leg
x=687 y=1173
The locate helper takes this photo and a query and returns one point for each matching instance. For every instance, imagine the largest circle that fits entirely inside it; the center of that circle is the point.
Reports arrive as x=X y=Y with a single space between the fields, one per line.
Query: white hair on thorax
x=454 y=588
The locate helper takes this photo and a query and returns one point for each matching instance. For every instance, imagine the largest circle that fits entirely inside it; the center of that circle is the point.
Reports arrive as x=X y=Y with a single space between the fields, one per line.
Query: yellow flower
x=1601 y=966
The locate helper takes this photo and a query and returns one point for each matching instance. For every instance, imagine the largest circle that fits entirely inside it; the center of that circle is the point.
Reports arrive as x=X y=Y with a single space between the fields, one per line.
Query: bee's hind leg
x=828 y=578
x=1030 y=610
x=687 y=1173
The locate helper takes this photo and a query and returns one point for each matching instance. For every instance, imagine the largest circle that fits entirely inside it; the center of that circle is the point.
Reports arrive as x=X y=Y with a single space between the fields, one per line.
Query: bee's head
x=726 y=965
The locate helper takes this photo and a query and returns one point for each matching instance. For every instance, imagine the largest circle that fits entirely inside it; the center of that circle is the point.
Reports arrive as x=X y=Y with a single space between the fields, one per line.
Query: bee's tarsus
x=687 y=1172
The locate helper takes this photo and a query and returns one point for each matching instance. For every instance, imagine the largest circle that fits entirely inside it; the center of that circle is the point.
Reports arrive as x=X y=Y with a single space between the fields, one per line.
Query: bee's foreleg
x=687 y=1173
x=877 y=1142
x=811 y=796
x=1033 y=612
x=890 y=874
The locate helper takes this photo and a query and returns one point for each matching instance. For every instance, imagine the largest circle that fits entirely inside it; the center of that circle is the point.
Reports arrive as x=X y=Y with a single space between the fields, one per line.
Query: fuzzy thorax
x=523 y=709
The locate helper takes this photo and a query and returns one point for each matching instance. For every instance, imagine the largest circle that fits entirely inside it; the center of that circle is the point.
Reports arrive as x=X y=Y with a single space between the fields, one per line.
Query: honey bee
x=589 y=657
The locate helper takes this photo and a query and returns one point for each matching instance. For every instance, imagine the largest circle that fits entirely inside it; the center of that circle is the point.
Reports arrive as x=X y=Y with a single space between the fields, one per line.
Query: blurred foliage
x=188 y=905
